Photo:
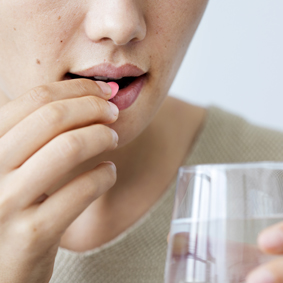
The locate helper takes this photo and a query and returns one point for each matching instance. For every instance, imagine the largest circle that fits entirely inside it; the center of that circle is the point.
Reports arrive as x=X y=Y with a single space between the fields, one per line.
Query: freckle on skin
x=38 y=61
x=59 y=18
x=61 y=41
x=15 y=29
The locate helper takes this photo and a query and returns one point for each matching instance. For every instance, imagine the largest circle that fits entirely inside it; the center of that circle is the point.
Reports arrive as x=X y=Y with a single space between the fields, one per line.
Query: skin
x=43 y=40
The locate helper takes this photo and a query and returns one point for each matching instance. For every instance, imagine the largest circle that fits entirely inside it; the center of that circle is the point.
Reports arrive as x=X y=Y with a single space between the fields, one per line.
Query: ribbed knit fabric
x=138 y=254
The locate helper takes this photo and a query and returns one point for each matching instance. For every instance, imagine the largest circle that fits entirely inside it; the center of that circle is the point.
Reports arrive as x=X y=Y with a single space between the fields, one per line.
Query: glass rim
x=230 y=166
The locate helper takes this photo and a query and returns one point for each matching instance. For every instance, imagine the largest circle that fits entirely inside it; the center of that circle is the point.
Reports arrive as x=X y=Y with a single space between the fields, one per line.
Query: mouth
x=130 y=79
x=123 y=82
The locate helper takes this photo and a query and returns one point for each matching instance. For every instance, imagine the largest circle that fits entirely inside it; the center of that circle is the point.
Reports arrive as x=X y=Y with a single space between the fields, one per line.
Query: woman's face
x=53 y=40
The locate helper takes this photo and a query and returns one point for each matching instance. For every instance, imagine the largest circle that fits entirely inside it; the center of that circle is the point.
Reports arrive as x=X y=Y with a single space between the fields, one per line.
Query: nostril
x=121 y=22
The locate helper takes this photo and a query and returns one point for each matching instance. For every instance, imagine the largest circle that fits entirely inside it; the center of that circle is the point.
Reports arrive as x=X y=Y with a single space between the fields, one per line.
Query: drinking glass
x=219 y=211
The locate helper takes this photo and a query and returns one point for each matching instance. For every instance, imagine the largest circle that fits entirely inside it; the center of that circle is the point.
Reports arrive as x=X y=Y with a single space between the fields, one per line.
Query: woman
x=58 y=195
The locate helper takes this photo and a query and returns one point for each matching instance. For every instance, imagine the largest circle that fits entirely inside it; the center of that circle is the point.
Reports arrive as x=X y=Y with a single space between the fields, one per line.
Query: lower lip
x=127 y=96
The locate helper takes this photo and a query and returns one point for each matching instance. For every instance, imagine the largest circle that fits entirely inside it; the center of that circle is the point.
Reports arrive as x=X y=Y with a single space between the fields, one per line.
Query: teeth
x=106 y=78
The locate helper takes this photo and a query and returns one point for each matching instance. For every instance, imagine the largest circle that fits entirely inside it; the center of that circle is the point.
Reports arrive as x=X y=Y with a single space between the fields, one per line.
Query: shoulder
x=226 y=138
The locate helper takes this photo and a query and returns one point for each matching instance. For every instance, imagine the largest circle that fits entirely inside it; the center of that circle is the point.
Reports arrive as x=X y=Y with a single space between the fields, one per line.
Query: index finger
x=42 y=95
x=270 y=240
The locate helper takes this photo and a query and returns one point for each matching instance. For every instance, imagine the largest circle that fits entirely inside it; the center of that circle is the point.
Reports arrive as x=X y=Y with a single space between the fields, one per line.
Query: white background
x=235 y=61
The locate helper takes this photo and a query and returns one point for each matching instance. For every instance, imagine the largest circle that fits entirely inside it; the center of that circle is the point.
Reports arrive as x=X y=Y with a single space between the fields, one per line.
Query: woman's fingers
x=42 y=95
x=271 y=272
x=237 y=260
x=50 y=163
x=40 y=127
x=66 y=204
x=271 y=239
x=44 y=135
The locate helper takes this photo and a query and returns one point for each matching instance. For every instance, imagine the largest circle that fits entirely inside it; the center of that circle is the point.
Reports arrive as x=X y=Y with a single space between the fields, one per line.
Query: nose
x=121 y=21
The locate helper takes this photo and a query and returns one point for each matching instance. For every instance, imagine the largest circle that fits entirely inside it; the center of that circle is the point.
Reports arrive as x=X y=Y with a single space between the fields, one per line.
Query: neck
x=144 y=174
x=143 y=170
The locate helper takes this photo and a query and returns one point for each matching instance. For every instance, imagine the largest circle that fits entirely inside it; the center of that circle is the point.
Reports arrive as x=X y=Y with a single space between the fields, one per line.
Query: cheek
x=33 y=24
x=172 y=26
x=174 y=22
x=33 y=35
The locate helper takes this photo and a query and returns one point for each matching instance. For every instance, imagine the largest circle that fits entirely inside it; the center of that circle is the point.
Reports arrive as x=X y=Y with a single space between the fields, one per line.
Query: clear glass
x=218 y=213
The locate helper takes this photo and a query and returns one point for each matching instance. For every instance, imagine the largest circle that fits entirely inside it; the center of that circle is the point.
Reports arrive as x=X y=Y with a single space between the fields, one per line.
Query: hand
x=207 y=260
x=44 y=134
x=270 y=241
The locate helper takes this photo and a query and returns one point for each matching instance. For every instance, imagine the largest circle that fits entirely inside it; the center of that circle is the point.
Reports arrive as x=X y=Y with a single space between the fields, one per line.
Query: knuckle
x=69 y=146
x=52 y=114
x=83 y=85
x=80 y=84
x=94 y=183
x=40 y=95
x=30 y=232
x=87 y=186
x=107 y=136
x=97 y=105
x=107 y=132
x=5 y=204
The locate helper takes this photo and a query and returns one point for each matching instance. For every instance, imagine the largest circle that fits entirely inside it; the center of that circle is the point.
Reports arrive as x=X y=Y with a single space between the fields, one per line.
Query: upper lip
x=110 y=71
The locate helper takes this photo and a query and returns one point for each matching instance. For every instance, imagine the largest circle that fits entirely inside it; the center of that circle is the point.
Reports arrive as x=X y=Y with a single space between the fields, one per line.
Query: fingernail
x=112 y=164
x=271 y=240
x=115 y=135
x=114 y=108
x=104 y=87
x=181 y=244
x=261 y=276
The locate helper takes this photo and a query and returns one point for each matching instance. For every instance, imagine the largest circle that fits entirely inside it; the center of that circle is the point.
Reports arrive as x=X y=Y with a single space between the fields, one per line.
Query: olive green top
x=138 y=254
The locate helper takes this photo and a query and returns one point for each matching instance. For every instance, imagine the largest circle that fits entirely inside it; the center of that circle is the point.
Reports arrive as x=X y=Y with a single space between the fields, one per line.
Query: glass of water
x=219 y=211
